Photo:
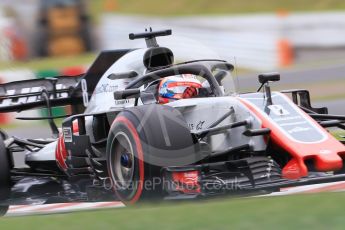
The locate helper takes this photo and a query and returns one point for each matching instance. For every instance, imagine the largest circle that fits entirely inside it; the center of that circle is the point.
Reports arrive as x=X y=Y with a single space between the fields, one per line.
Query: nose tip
x=328 y=160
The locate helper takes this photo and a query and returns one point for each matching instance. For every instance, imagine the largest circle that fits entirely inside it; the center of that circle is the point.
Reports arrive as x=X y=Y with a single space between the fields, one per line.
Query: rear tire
x=5 y=177
x=3 y=210
x=141 y=141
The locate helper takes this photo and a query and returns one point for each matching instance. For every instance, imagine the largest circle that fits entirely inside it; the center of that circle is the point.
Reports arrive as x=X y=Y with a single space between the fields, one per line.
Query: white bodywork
x=103 y=97
x=198 y=112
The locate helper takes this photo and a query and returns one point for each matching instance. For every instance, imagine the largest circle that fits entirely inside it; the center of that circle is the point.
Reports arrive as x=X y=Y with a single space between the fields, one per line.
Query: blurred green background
x=322 y=211
x=186 y=7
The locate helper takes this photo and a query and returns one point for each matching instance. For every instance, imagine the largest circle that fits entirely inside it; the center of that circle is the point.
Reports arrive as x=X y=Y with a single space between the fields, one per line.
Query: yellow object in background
x=63 y=19
x=65 y=45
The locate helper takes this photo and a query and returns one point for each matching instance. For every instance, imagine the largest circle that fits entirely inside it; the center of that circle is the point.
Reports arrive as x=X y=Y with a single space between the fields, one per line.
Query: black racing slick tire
x=143 y=140
x=5 y=177
x=3 y=210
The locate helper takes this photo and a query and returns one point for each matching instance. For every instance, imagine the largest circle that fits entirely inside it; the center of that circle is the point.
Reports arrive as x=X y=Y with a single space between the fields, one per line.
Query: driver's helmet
x=178 y=87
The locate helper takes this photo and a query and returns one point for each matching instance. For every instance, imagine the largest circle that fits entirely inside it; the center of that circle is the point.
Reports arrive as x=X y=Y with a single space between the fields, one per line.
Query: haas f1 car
x=144 y=128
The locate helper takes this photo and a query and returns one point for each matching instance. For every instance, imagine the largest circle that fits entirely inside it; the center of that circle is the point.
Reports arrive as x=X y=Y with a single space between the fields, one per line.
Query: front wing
x=243 y=182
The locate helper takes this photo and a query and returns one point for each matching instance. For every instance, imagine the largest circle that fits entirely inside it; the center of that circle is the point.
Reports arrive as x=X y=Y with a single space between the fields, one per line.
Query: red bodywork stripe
x=61 y=153
x=303 y=151
x=187 y=181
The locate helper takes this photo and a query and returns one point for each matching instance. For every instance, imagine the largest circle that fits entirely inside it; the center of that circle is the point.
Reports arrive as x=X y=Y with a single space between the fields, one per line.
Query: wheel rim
x=124 y=164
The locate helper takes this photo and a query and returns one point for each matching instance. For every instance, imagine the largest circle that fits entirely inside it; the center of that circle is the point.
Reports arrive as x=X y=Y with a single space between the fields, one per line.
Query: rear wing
x=29 y=94
x=57 y=91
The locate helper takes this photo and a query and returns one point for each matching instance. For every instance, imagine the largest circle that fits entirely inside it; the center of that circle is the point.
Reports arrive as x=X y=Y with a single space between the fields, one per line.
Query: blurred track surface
x=300 y=76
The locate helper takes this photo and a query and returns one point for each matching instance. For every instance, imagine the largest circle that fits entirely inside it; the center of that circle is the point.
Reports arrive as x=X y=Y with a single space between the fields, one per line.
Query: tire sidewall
x=5 y=176
x=3 y=210
x=148 y=127
x=126 y=123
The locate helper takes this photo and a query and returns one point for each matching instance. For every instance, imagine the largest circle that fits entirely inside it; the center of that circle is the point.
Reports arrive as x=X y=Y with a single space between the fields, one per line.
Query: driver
x=178 y=87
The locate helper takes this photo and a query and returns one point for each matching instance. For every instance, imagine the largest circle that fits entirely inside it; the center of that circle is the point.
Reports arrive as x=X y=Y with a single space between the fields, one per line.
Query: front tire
x=141 y=141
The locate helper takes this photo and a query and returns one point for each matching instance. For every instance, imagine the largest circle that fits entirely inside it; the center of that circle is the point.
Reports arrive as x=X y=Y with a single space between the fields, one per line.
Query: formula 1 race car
x=138 y=132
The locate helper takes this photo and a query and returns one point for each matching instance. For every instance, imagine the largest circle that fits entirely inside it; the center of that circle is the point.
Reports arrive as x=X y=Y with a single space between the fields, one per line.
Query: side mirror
x=146 y=97
x=124 y=75
x=127 y=93
x=266 y=77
